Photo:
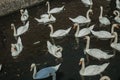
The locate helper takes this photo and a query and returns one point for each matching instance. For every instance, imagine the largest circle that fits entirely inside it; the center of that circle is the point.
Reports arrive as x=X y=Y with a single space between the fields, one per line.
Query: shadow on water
x=19 y=69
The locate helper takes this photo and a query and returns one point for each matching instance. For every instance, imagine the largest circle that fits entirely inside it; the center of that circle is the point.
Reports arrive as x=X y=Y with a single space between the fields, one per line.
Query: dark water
x=19 y=68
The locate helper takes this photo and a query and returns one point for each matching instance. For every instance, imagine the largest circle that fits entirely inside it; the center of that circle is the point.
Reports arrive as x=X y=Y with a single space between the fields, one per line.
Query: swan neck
x=101 y=12
x=87 y=15
x=51 y=28
x=116 y=38
x=112 y=29
x=34 y=72
x=83 y=66
x=48 y=4
x=14 y=31
x=77 y=31
x=88 y=43
x=54 y=76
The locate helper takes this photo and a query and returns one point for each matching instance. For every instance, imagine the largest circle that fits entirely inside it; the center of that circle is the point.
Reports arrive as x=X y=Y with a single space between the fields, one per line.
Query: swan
x=81 y=19
x=24 y=15
x=94 y=52
x=105 y=78
x=56 y=51
x=118 y=4
x=54 y=10
x=58 y=33
x=117 y=16
x=45 y=19
x=87 y=2
x=103 y=20
x=82 y=32
x=91 y=70
x=45 y=72
x=115 y=45
x=20 y=30
x=105 y=34
x=17 y=48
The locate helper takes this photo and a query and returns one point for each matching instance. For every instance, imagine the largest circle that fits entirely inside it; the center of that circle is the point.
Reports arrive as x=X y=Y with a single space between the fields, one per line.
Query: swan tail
x=71 y=19
x=38 y=20
x=104 y=66
x=57 y=67
x=91 y=27
x=68 y=30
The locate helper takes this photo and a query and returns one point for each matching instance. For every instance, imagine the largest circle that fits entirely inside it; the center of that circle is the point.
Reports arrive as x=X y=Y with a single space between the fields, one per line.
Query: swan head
x=75 y=25
x=50 y=25
x=116 y=25
x=12 y=26
x=90 y=11
x=115 y=12
x=105 y=78
x=32 y=66
x=47 y=3
x=81 y=60
x=21 y=11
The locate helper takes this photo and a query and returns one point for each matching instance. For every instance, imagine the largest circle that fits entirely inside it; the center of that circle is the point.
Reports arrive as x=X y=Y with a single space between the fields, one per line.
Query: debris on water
x=37 y=42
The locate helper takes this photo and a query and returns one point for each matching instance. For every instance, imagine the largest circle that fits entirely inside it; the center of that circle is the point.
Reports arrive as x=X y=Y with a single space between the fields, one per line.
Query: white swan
x=105 y=34
x=54 y=50
x=105 y=78
x=118 y=4
x=45 y=19
x=103 y=20
x=20 y=30
x=117 y=16
x=54 y=10
x=115 y=45
x=87 y=3
x=82 y=32
x=94 y=52
x=58 y=33
x=45 y=72
x=81 y=19
x=24 y=15
x=91 y=70
x=17 y=48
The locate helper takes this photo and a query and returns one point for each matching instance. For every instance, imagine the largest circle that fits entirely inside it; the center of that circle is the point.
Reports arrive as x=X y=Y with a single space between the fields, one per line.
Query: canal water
x=19 y=68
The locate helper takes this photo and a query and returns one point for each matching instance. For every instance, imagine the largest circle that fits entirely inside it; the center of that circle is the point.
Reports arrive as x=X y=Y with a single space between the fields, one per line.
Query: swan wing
x=102 y=34
x=56 y=10
x=99 y=54
x=46 y=72
x=83 y=32
x=23 y=29
x=87 y=2
x=95 y=69
x=116 y=46
x=104 y=20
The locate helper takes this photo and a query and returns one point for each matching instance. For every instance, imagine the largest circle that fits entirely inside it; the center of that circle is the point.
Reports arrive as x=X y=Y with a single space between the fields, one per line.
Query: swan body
x=81 y=19
x=17 y=48
x=115 y=45
x=117 y=17
x=92 y=70
x=94 y=52
x=105 y=34
x=103 y=20
x=45 y=72
x=54 y=50
x=20 y=30
x=45 y=19
x=24 y=15
x=87 y=2
x=58 y=33
x=82 y=32
x=54 y=10
x=117 y=4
